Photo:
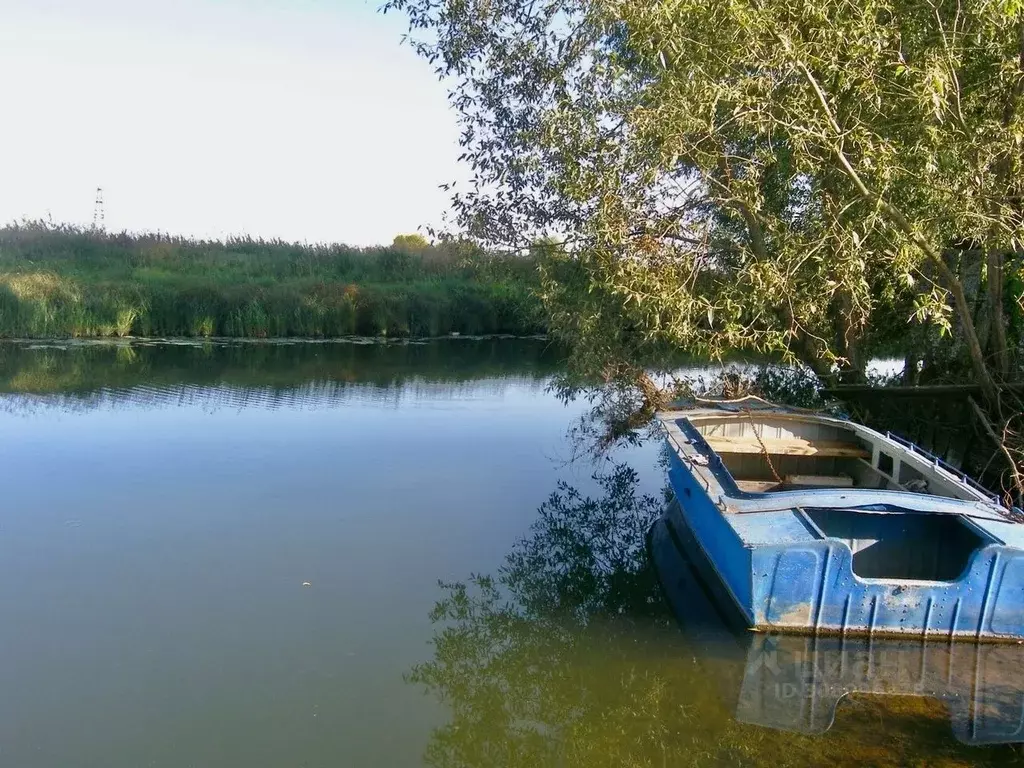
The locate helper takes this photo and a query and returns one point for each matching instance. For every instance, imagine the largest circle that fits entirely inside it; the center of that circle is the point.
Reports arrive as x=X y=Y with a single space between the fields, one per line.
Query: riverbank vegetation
x=64 y=281
x=815 y=179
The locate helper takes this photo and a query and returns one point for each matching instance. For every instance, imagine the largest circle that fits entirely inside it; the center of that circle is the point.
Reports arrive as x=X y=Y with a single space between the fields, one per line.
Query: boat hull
x=784 y=576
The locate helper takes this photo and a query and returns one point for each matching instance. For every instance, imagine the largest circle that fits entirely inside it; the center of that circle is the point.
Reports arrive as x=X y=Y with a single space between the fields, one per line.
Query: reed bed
x=61 y=281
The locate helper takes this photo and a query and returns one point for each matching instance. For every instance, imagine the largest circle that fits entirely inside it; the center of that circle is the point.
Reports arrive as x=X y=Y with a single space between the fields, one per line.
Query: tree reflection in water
x=570 y=657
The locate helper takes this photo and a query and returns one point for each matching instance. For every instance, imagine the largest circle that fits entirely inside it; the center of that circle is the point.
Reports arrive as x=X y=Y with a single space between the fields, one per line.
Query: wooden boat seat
x=820 y=481
x=757 y=486
x=792 y=482
x=792 y=446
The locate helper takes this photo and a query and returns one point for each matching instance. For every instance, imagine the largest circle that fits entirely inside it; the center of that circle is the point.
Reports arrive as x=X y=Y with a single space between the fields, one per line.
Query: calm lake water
x=230 y=554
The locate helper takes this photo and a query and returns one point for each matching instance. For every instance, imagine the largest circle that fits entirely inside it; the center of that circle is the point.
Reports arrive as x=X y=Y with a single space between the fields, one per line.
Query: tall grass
x=62 y=281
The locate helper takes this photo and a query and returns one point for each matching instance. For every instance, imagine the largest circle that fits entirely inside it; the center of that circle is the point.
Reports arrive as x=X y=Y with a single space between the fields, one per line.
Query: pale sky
x=301 y=119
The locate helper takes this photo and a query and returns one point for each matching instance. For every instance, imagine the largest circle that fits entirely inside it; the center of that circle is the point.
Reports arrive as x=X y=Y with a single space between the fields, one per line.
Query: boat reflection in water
x=795 y=683
x=570 y=655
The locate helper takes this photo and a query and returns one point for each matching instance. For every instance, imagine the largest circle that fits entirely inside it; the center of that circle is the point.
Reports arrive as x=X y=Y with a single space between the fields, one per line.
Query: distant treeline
x=63 y=281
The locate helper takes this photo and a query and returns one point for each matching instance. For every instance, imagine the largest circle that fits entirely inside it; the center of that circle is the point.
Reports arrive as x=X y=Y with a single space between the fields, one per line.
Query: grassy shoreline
x=66 y=282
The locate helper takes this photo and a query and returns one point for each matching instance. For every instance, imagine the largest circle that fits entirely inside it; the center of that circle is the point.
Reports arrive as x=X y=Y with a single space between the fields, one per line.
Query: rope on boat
x=748 y=398
x=764 y=448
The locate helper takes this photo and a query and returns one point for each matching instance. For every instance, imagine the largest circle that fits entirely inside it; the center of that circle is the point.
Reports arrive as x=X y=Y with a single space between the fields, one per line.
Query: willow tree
x=763 y=175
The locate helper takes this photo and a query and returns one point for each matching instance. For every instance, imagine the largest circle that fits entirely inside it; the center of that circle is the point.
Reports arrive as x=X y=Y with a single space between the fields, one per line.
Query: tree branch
x=953 y=283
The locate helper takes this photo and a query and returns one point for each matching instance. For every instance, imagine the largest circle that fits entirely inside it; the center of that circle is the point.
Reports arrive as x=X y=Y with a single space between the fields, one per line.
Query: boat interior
x=780 y=452
x=769 y=453
x=920 y=547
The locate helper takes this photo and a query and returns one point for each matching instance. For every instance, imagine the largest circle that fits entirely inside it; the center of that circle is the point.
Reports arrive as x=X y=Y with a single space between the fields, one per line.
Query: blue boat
x=817 y=525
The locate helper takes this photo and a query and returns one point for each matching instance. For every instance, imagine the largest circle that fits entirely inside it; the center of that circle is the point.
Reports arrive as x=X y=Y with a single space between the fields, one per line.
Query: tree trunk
x=850 y=341
x=982 y=374
x=998 y=347
x=911 y=372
